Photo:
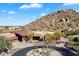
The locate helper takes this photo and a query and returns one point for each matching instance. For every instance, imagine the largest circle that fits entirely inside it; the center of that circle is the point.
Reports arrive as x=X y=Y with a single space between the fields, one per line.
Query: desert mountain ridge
x=62 y=20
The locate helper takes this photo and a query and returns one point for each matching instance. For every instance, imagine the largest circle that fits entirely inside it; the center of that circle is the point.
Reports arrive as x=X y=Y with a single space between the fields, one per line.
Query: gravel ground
x=43 y=52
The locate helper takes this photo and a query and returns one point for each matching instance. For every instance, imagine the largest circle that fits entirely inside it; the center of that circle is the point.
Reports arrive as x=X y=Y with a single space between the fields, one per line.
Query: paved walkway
x=63 y=51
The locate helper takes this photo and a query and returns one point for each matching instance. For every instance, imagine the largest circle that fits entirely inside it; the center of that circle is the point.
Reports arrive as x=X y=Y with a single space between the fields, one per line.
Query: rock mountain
x=63 y=20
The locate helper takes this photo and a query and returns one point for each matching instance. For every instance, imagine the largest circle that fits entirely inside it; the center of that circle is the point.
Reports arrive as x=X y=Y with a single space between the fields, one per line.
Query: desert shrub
x=30 y=35
x=53 y=37
x=73 y=43
x=5 y=44
x=49 y=37
x=74 y=40
x=59 y=35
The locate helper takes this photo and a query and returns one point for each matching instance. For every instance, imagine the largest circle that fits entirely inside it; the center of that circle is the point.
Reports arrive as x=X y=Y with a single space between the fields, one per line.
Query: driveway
x=63 y=51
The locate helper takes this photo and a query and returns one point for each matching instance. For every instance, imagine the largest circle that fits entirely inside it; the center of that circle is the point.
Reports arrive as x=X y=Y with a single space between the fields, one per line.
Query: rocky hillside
x=63 y=20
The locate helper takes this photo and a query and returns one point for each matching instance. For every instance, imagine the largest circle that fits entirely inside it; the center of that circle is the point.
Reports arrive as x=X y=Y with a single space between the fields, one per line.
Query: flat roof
x=21 y=33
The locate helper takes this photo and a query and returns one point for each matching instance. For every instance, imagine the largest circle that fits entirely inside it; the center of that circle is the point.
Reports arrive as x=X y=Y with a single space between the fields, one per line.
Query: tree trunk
x=47 y=45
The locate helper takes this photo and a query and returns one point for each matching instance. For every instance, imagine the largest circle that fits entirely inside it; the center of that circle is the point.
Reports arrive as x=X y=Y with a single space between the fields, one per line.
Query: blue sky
x=12 y=14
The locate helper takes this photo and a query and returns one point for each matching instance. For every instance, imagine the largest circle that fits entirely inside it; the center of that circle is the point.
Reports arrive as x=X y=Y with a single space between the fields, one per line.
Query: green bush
x=5 y=44
x=74 y=41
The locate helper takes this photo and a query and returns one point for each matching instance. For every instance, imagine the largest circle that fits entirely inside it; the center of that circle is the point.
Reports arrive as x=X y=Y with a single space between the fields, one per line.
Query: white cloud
x=77 y=10
x=46 y=10
x=34 y=16
x=43 y=14
x=11 y=12
x=34 y=5
x=68 y=4
x=3 y=11
x=24 y=7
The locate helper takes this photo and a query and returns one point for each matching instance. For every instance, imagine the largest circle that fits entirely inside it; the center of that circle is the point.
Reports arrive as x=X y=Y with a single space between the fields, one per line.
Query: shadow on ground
x=63 y=51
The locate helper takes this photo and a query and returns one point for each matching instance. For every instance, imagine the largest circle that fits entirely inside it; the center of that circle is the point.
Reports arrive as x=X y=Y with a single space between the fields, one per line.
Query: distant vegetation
x=4 y=29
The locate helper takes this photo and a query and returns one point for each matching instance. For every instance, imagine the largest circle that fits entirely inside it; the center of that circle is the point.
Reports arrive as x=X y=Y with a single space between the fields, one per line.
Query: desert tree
x=49 y=38
x=58 y=35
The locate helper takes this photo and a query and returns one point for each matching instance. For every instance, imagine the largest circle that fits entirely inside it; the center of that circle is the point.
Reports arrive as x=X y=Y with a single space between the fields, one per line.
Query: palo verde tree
x=30 y=35
x=49 y=38
x=58 y=35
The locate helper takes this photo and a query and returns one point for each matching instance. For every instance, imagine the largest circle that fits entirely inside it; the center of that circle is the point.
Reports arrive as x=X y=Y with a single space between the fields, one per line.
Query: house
x=20 y=35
